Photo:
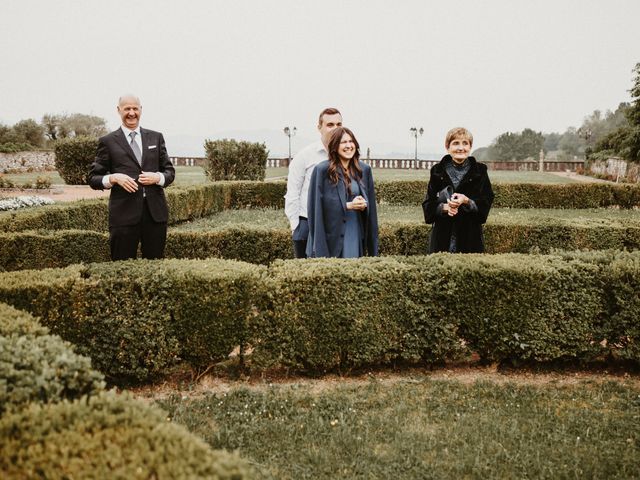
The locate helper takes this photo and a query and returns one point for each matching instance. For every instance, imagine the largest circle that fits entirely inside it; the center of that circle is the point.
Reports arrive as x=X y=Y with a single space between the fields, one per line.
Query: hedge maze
x=69 y=320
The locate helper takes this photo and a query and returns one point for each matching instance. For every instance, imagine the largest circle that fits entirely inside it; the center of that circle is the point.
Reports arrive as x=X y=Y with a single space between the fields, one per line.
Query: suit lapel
x=122 y=141
x=145 y=144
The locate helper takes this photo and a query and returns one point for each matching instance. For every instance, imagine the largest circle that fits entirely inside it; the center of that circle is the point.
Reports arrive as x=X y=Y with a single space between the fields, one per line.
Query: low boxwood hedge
x=36 y=250
x=38 y=367
x=134 y=319
x=202 y=200
x=109 y=436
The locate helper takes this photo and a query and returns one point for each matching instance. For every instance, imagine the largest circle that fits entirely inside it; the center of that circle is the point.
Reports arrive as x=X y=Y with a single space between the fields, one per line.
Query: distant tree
x=571 y=143
x=551 y=141
x=624 y=141
x=516 y=146
x=481 y=154
x=73 y=125
x=30 y=132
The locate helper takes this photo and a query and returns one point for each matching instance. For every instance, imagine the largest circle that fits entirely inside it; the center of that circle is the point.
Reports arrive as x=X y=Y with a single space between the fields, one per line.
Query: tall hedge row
x=202 y=200
x=37 y=250
x=135 y=319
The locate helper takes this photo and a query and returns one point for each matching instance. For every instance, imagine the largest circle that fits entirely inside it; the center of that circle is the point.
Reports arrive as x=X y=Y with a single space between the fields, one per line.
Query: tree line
x=31 y=135
x=601 y=136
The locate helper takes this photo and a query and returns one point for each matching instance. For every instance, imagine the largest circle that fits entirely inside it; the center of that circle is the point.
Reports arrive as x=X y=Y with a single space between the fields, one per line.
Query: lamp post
x=415 y=131
x=290 y=132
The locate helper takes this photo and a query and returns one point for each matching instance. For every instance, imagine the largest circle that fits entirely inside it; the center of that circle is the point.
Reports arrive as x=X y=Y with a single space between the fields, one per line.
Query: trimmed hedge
x=36 y=250
x=111 y=436
x=202 y=200
x=136 y=319
x=327 y=314
x=230 y=159
x=74 y=157
x=38 y=367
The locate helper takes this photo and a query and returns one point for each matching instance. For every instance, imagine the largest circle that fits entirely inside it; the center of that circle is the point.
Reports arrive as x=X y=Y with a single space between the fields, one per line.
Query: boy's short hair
x=458 y=132
x=327 y=111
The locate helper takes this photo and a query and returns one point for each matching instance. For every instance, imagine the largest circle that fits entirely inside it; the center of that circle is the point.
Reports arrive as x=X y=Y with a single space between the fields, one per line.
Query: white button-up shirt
x=138 y=139
x=300 y=170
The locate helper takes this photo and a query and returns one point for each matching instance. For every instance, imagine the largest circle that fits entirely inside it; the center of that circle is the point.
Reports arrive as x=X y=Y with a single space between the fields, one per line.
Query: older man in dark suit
x=133 y=162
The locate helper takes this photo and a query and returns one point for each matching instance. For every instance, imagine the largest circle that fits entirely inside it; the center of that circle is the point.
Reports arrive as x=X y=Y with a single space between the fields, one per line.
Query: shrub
x=74 y=157
x=37 y=250
x=83 y=214
x=38 y=367
x=233 y=160
x=42 y=182
x=327 y=313
x=136 y=319
x=6 y=182
x=18 y=322
x=14 y=147
x=111 y=436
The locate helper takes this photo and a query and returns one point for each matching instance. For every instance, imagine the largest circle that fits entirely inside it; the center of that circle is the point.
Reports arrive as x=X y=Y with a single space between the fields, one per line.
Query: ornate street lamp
x=415 y=131
x=290 y=132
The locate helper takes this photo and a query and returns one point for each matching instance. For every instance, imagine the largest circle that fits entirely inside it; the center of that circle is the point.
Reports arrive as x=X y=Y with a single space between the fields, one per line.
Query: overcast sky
x=210 y=68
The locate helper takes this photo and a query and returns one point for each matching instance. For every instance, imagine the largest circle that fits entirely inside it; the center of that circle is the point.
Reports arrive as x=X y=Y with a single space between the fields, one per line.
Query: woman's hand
x=459 y=199
x=358 y=203
x=451 y=207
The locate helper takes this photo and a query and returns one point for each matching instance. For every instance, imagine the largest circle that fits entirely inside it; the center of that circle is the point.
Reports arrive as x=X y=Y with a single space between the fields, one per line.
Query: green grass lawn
x=418 y=427
x=186 y=176
x=274 y=218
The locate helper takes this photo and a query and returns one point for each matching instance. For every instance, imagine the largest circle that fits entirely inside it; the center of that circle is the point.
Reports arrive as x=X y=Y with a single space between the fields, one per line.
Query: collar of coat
x=440 y=170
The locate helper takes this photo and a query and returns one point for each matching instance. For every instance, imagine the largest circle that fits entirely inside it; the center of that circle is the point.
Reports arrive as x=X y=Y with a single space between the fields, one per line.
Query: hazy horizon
x=206 y=68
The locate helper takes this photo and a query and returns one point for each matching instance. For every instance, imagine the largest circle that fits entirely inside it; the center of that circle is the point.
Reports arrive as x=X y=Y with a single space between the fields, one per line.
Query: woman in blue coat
x=343 y=221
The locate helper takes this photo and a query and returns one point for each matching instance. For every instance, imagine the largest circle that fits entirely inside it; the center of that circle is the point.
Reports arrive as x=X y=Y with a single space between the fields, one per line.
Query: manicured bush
x=327 y=313
x=82 y=215
x=136 y=319
x=244 y=244
x=111 y=436
x=36 y=250
x=199 y=201
x=18 y=322
x=38 y=367
x=29 y=250
x=525 y=195
x=233 y=160
x=623 y=324
x=74 y=157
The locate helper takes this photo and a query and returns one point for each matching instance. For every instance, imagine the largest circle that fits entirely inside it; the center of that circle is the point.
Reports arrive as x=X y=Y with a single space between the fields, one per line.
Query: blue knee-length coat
x=327 y=213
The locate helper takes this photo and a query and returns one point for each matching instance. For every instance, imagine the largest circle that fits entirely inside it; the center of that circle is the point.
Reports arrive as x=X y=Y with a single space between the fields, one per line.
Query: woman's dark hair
x=353 y=170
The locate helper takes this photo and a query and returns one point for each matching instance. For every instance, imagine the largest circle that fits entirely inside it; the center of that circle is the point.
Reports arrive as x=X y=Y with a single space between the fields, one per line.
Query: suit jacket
x=114 y=155
x=327 y=210
x=467 y=225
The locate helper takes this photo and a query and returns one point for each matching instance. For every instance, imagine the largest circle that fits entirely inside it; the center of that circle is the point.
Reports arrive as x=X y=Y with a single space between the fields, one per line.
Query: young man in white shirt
x=300 y=169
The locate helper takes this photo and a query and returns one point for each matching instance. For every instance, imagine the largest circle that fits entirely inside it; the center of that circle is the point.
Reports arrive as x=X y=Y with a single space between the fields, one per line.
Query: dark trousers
x=299 y=237
x=152 y=235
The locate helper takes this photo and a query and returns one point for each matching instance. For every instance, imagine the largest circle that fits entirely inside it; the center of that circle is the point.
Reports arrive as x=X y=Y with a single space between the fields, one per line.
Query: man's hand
x=125 y=181
x=149 y=178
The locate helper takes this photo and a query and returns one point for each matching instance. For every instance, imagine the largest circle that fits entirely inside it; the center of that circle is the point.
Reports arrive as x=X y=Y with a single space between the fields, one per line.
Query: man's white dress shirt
x=300 y=170
x=138 y=139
